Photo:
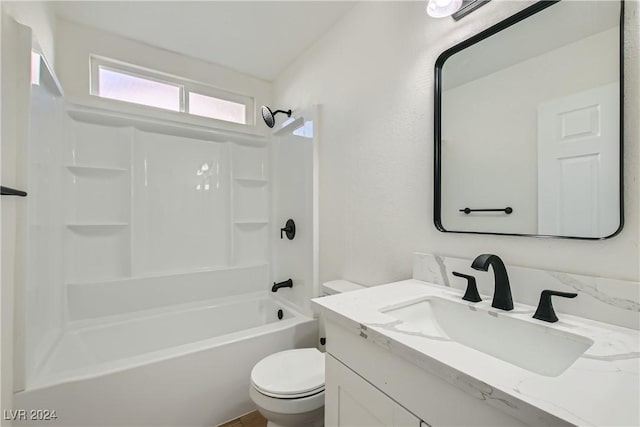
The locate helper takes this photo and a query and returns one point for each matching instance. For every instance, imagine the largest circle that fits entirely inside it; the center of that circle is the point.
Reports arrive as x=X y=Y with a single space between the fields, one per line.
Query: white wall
x=373 y=75
x=75 y=43
x=476 y=158
x=38 y=15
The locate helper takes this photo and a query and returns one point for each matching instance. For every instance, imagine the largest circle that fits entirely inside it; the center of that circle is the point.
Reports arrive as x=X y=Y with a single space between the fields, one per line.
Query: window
x=35 y=68
x=114 y=80
x=208 y=106
x=139 y=90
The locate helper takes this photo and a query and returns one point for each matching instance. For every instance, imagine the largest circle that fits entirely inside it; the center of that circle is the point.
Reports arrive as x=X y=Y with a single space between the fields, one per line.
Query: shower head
x=268 y=115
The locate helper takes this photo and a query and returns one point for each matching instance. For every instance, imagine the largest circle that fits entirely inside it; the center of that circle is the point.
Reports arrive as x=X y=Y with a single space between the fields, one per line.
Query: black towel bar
x=506 y=210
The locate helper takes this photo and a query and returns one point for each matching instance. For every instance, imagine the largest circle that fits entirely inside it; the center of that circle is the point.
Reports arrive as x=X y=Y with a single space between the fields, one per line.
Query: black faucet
x=545 y=309
x=502 y=294
x=286 y=284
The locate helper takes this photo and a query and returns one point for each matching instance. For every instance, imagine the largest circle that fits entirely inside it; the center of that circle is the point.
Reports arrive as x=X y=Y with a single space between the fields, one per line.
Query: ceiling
x=259 y=38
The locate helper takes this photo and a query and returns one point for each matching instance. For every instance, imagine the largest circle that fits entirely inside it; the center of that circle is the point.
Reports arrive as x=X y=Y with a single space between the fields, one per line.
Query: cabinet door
x=350 y=401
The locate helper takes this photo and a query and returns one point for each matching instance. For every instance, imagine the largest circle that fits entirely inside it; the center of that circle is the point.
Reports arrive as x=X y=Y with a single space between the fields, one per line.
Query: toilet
x=288 y=386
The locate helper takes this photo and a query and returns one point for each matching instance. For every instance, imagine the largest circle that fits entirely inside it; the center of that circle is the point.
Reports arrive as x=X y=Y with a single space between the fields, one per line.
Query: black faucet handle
x=471 y=294
x=559 y=294
x=545 y=309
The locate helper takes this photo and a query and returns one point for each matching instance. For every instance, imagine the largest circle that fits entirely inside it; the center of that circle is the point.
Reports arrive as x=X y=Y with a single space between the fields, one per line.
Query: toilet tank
x=331 y=288
x=338 y=287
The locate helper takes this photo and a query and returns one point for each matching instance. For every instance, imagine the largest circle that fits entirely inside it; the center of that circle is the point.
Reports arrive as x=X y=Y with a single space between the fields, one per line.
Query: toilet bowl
x=288 y=387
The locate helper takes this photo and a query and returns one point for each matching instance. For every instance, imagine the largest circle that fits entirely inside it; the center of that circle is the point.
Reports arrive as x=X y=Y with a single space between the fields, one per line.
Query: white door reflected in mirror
x=577 y=164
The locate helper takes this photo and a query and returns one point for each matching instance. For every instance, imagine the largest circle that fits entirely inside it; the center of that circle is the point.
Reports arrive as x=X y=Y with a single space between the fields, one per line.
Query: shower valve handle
x=289 y=229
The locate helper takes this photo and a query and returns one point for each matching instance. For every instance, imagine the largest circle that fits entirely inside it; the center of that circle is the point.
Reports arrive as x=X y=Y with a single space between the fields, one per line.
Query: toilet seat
x=290 y=374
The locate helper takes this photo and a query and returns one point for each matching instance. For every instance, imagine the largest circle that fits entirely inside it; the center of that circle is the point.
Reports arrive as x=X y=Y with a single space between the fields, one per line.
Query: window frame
x=185 y=87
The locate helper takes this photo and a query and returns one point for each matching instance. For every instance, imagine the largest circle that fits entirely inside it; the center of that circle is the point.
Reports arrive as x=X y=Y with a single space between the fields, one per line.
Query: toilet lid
x=290 y=373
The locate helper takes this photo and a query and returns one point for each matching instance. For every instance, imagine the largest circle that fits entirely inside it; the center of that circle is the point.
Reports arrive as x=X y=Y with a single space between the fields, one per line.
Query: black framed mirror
x=528 y=125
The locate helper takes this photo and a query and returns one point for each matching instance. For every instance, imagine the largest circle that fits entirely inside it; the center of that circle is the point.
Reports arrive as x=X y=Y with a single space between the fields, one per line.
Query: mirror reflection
x=530 y=126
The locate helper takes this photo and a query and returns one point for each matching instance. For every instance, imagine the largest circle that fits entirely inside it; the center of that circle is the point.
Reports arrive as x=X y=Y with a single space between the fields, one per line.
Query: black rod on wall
x=506 y=210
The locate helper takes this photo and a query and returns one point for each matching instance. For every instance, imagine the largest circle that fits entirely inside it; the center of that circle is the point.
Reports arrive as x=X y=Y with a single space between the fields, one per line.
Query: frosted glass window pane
x=216 y=108
x=125 y=87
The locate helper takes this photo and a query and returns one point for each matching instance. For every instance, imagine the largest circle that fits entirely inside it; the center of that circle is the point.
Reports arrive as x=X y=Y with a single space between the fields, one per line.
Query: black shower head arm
x=288 y=112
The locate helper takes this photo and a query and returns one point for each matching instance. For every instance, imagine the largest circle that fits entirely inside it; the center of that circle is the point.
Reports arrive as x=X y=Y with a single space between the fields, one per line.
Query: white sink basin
x=532 y=346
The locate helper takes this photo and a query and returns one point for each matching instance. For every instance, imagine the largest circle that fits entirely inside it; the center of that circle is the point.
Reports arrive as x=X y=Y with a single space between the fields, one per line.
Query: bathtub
x=184 y=365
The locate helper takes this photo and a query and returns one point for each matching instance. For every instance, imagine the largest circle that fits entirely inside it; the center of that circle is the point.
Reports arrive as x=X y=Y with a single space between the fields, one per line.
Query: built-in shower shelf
x=256 y=182
x=106 y=112
x=90 y=170
x=252 y=222
x=96 y=225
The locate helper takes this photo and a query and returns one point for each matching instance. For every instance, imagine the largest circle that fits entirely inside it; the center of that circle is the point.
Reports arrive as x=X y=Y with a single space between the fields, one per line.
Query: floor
x=252 y=419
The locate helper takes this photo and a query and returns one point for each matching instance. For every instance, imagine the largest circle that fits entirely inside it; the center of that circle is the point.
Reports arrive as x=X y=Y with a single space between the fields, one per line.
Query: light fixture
x=455 y=8
x=443 y=8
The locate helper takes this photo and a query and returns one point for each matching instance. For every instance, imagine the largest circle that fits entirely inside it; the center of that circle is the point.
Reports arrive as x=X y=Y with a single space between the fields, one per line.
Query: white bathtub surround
x=100 y=346
x=295 y=195
x=40 y=221
x=603 y=299
x=141 y=211
x=148 y=196
x=163 y=235
x=184 y=365
x=104 y=298
x=603 y=378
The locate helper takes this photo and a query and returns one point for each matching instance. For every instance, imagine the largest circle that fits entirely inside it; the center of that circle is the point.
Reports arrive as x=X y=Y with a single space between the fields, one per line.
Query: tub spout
x=286 y=284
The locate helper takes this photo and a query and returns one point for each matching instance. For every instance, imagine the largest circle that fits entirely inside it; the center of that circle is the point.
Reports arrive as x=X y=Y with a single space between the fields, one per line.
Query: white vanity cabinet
x=367 y=385
x=350 y=401
x=385 y=362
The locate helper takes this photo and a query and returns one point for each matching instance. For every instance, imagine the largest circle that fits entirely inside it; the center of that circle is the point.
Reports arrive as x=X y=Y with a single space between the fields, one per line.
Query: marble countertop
x=601 y=388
